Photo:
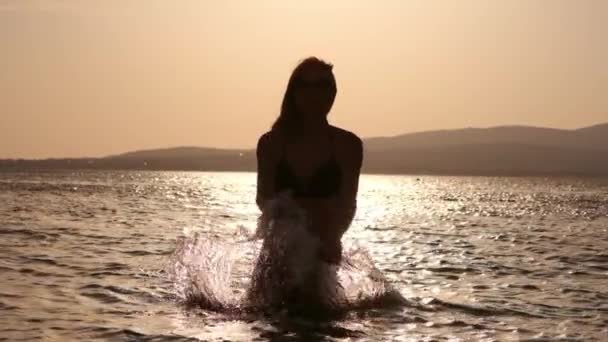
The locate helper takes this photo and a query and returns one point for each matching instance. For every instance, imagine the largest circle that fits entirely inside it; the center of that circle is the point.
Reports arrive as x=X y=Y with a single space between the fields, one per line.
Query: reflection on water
x=84 y=255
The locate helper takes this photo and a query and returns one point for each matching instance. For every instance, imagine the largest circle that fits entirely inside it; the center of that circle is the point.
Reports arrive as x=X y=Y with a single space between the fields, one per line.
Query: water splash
x=201 y=272
x=278 y=267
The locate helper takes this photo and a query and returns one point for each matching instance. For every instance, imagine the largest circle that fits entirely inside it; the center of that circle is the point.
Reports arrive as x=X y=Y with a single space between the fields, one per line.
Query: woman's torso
x=324 y=181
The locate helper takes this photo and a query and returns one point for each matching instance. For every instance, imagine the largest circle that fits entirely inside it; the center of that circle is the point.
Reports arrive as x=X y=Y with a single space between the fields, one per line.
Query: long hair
x=289 y=118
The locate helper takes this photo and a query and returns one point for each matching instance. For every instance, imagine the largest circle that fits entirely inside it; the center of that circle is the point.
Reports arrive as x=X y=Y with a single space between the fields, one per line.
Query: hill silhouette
x=505 y=150
x=594 y=137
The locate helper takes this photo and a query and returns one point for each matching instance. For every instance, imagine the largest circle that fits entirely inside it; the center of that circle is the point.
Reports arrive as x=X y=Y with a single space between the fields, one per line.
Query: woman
x=317 y=163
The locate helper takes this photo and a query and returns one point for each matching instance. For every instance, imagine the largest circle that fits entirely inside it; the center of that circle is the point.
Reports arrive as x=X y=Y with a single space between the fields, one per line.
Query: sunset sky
x=93 y=78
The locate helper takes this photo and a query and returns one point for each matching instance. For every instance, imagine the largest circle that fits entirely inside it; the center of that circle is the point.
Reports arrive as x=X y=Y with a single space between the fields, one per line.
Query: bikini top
x=324 y=182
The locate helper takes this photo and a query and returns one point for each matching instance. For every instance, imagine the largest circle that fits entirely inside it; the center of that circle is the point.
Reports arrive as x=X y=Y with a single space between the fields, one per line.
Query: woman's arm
x=345 y=203
x=266 y=161
x=332 y=216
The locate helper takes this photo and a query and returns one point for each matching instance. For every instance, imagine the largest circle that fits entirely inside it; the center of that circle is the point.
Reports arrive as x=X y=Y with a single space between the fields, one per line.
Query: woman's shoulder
x=349 y=145
x=347 y=138
x=268 y=138
x=268 y=142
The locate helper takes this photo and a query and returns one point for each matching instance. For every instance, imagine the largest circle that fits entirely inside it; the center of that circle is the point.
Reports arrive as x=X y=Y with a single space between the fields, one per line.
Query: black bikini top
x=325 y=182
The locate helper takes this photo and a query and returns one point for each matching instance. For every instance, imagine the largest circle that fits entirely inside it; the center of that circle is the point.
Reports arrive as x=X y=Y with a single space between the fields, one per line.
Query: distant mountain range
x=506 y=150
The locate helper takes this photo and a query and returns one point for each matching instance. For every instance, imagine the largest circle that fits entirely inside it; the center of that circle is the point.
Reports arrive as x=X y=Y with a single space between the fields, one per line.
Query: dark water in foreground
x=86 y=256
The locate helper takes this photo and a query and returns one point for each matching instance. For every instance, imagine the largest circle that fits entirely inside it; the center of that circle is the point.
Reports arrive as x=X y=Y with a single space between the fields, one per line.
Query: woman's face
x=313 y=92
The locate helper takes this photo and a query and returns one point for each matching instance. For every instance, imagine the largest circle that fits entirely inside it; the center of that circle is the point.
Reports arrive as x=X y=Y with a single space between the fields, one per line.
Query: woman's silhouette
x=317 y=163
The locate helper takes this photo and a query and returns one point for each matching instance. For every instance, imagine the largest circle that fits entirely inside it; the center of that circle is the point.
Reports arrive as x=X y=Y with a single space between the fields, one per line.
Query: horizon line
x=136 y=150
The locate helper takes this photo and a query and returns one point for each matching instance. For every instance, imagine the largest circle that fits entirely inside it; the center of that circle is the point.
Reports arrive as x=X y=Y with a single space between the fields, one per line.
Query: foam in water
x=282 y=271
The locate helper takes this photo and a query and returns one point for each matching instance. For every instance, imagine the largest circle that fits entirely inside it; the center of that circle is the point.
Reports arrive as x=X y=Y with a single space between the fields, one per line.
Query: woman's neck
x=315 y=127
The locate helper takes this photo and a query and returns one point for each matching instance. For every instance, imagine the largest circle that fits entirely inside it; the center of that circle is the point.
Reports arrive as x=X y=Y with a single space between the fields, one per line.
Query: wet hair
x=289 y=117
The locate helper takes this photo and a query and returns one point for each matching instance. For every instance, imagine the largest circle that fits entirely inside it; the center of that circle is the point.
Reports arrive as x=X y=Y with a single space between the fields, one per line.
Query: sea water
x=91 y=255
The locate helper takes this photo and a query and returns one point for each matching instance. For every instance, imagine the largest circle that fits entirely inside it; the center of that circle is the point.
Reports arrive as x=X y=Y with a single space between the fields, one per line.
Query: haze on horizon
x=97 y=78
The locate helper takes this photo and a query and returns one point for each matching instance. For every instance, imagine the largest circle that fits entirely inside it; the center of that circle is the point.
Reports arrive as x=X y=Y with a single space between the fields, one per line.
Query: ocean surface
x=90 y=256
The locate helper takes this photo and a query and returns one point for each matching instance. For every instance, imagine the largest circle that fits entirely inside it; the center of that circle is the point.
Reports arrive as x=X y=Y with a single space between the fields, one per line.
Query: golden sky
x=92 y=78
